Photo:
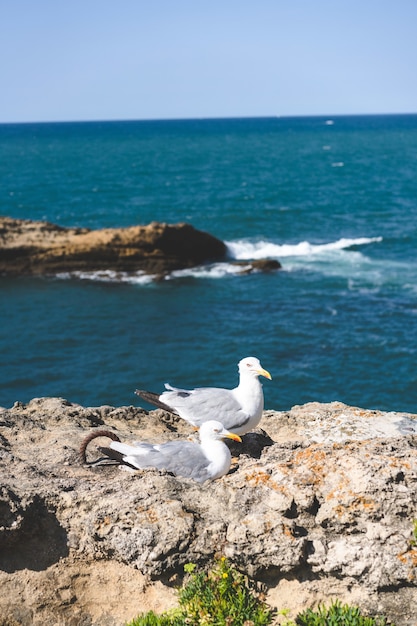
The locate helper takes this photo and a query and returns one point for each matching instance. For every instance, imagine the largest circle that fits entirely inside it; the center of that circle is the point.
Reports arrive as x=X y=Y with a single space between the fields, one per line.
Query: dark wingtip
x=153 y=398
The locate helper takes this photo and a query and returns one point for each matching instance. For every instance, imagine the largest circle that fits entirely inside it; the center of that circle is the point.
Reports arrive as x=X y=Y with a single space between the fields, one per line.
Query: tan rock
x=322 y=508
x=34 y=248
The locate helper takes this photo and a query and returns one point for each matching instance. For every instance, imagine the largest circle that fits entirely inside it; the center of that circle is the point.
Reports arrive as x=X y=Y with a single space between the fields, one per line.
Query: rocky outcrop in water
x=34 y=248
x=259 y=265
x=319 y=506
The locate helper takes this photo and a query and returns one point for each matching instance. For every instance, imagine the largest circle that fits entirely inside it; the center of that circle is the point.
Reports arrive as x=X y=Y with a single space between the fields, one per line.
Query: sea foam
x=245 y=249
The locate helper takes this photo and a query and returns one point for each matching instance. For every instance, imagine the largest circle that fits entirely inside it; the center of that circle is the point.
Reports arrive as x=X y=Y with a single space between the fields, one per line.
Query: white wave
x=333 y=258
x=109 y=276
x=215 y=270
x=245 y=249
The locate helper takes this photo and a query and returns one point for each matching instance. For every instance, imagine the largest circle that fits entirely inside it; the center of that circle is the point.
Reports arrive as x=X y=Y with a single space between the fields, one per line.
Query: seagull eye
x=217 y=430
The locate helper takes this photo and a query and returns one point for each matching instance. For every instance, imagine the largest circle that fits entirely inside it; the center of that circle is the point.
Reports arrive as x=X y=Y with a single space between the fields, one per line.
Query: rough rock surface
x=33 y=248
x=320 y=507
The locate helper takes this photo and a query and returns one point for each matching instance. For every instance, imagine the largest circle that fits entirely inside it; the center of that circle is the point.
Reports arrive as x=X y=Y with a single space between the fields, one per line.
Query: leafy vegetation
x=225 y=597
x=221 y=597
x=337 y=614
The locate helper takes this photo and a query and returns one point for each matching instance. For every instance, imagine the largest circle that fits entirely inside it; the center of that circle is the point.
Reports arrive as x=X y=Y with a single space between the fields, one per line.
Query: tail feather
x=153 y=398
x=115 y=456
x=112 y=454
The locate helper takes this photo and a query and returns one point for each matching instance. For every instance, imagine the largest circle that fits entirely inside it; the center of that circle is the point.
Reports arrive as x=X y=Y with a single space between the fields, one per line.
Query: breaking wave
x=339 y=257
x=245 y=249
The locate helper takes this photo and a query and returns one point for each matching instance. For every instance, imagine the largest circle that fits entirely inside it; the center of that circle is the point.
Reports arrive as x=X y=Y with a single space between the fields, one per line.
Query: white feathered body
x=239 y=409
x=203 y=461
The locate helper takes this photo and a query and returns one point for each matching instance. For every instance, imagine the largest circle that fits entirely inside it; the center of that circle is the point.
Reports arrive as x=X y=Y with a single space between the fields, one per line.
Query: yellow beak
x=234 y=437
x=265 y=373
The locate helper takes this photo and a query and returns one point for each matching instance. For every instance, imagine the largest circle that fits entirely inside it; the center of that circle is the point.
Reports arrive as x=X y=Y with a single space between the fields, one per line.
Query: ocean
x=334 y=200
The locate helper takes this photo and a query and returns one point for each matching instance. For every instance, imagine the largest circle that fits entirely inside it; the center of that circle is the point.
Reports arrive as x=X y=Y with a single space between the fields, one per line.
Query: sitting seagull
x=239 y=409
x=207 y=460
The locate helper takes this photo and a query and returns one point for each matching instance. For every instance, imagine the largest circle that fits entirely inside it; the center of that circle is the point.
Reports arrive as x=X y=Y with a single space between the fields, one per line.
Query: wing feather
x=182 y=458
x=205 y=403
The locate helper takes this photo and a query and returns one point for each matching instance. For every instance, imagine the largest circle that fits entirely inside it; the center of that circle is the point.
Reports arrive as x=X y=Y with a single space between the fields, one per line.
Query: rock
x=320 y=506
x=259 y=265
x=33 y=248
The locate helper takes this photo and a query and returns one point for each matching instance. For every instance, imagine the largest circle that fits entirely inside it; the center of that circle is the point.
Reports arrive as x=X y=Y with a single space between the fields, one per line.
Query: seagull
x=207 y=460
x=239 y=409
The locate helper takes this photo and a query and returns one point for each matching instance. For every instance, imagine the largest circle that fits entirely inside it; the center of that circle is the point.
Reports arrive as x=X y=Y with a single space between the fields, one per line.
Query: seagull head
x=214 y=430
x=252 y=366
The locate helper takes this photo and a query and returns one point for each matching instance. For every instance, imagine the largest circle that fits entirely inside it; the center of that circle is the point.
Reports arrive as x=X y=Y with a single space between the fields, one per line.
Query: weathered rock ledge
x=33 y=248
x=321 y=508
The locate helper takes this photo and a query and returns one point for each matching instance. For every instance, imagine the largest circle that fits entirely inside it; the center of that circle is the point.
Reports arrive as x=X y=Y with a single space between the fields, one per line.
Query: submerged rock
x=321 y=505
x=34 y=248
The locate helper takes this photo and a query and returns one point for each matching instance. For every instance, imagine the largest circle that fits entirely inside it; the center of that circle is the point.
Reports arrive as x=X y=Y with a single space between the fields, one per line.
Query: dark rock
x=259 y=265
x=34 y=248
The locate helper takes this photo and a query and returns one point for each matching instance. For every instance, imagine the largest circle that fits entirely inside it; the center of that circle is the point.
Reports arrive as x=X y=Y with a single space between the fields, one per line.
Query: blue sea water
x=334 y=200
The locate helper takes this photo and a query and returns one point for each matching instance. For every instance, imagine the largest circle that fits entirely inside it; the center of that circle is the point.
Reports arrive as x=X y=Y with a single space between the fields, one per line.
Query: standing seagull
x=207 y=460
x=239 y=409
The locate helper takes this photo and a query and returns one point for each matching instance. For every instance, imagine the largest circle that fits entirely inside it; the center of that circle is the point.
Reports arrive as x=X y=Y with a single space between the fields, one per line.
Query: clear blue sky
x=152 y=59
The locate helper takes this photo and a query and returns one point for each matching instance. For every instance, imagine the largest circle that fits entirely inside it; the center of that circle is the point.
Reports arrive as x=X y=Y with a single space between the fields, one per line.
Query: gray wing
x=206 y=403
x=182 y=458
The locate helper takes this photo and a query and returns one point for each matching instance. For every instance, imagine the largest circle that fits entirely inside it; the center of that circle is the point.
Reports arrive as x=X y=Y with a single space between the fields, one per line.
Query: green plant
x=152 y=619
x=225 y=597
x=284 y=614
x=338 y=614
x=220 y=597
